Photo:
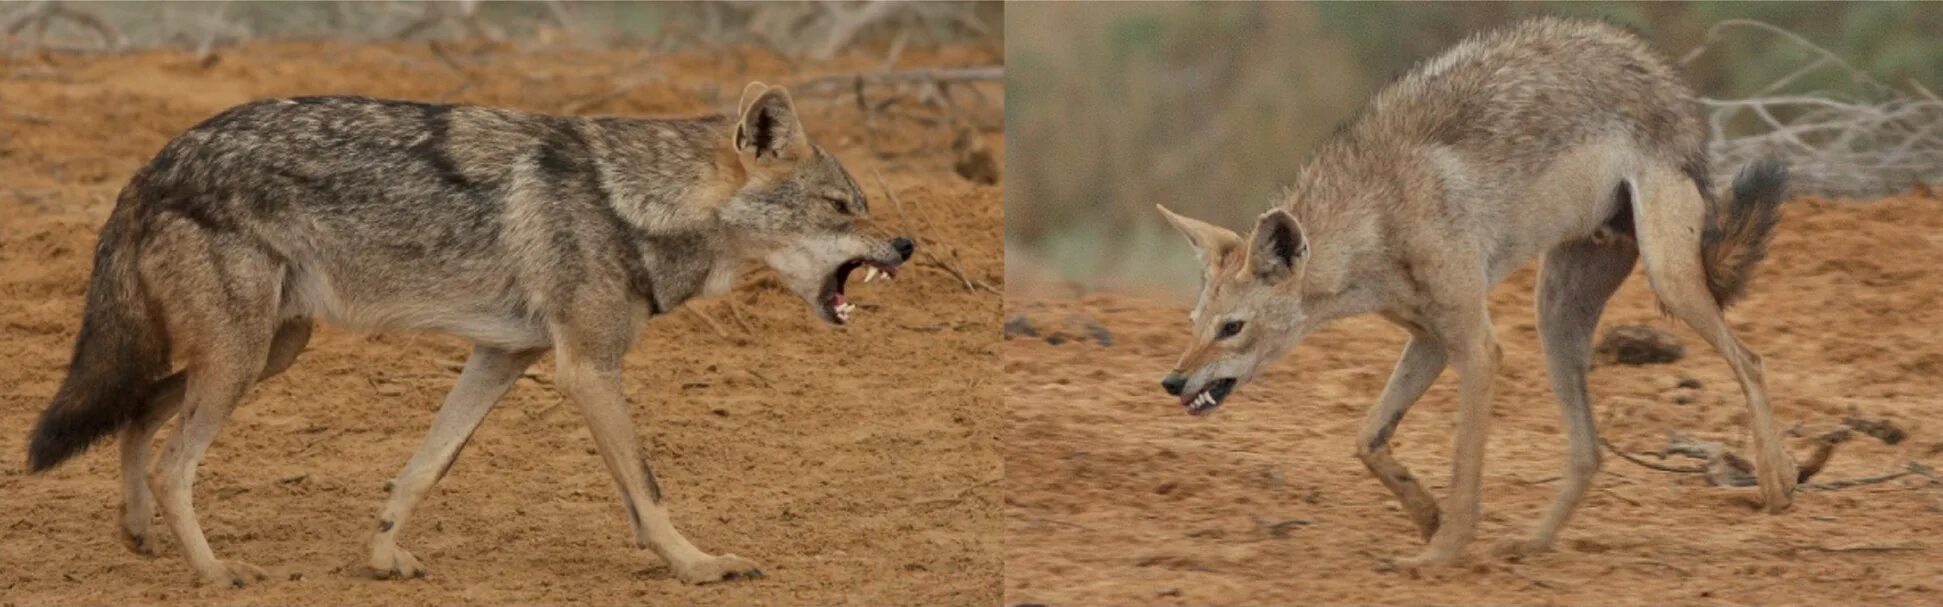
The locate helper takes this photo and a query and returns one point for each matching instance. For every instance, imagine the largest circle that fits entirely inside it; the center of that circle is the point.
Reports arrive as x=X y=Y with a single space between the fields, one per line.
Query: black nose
x=904 y=248
x=1174 y=382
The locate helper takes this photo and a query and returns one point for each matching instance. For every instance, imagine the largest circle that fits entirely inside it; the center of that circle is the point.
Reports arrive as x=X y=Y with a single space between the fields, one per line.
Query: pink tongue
x=836 y=300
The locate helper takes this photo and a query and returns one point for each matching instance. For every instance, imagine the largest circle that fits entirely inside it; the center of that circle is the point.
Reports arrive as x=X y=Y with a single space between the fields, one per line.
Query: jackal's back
x=1519 y=95
x=407 y=168
x=470 y=220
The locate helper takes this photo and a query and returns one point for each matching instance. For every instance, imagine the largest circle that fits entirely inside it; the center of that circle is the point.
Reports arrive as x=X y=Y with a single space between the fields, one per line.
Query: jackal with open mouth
x=519 y=232
x=1569 y=140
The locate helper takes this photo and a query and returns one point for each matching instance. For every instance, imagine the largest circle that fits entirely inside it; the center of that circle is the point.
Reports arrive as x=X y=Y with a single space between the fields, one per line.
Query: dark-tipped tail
x=1739 y=228
x=118 y=356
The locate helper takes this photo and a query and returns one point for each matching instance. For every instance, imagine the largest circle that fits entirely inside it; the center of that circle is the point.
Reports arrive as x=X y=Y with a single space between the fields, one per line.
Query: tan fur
x=1564 y=140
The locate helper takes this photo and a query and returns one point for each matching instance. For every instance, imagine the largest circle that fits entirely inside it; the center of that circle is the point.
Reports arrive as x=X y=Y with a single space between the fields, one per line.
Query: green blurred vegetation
x=1212 y=108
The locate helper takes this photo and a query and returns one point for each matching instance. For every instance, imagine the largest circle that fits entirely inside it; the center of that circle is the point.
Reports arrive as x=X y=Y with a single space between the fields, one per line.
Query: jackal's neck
x=1342 y=199
x=665 y=180
x=665 y=175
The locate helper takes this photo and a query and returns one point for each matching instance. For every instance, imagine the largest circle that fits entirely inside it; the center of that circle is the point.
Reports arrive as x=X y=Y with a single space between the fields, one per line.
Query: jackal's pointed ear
x=1211 y=242
x=1277 y=245
x=766 y=128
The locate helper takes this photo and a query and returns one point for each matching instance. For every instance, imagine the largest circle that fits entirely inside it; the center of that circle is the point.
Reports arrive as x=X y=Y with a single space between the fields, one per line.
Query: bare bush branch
x=1881 y=140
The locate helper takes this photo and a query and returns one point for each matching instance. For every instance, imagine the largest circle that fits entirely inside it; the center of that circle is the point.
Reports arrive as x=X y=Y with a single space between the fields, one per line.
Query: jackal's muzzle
x=1202 y=401
x=834 y=306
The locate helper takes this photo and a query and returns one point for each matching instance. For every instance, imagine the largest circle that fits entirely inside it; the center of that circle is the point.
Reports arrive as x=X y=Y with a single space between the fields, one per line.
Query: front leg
x=1475 y=352
x=1422 y=361
x=589 y=373
x=488 y=374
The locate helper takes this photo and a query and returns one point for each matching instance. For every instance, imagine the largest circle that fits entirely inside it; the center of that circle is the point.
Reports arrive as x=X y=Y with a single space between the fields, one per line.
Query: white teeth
x=871 y=273
x=1204 y=399
x=843 y=311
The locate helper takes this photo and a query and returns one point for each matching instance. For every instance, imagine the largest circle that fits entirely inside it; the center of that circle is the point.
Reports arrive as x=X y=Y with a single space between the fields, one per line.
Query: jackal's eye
x=841 y=205
x=1230 y=329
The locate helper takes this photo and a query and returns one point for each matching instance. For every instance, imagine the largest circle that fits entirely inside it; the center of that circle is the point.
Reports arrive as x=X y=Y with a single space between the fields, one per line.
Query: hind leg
x=1670 y=214
x=137 y=506
x=1575 y=281
x=218 y=297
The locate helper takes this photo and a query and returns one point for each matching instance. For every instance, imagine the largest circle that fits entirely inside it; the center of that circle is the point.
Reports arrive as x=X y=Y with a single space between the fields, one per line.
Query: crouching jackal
x=1571 y=141
x=516 y=231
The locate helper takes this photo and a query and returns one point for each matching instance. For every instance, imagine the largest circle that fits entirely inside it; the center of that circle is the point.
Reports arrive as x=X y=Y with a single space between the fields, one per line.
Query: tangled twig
x=1650 y=464
x=838 y=82
x=43 y=14
x=1725 y=468
x=1883 y=140
x=971 y=284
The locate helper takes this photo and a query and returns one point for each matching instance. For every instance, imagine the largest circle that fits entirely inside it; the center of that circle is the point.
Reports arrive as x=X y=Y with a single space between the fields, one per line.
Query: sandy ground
x=858 y=465
x=1115 y=496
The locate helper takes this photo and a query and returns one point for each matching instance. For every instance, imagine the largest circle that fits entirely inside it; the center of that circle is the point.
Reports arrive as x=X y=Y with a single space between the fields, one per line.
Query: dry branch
x=1881 y=140
x=1648 y=464
x=715 y=326
x=1857 y=482
x=970 y=283
x=1725 y=468
x=1278 y=529
x=838 y=82
x=43 y=14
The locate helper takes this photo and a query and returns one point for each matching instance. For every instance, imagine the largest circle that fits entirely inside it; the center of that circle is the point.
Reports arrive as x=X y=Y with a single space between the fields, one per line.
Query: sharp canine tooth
x=870 y=273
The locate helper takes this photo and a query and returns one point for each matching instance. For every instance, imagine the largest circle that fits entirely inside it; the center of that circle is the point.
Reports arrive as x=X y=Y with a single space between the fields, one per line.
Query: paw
x=134 y=531
x=395 y=564
x=138 y=541
x=234 y=574
x=1521 y=548
x=1778 y=486
x=1430 y=557
x=716 y=569
x=1427 y=520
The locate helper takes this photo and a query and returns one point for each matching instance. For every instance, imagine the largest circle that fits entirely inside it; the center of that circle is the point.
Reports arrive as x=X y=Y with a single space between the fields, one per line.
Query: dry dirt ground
x=1115 y=496
x=858 y=465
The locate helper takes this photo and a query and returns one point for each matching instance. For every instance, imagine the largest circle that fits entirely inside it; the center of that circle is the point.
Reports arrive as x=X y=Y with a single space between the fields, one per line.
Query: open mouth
x=836 y=307
x=1205 y=401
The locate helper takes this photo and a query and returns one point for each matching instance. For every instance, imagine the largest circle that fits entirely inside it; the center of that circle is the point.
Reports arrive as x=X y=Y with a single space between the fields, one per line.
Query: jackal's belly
x=483 y=317
x=1576 y=194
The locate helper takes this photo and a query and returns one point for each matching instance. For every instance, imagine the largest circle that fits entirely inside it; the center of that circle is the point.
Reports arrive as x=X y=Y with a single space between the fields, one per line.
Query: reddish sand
x=857 y=465
x=1115 y=496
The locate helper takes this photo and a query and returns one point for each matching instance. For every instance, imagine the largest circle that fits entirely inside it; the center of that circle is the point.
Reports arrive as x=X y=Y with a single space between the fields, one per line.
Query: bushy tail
x=1739 y=228
x=121 y=352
